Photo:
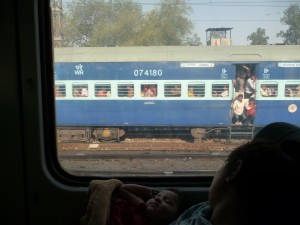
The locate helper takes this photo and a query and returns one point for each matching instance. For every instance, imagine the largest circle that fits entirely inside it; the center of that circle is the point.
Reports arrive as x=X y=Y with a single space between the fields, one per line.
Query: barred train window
x=60 y=90
x=80 y=90
x=125 y=90
x=292 y=90
x=196 y=90
x=102 y=90
x=269 y=90
x=173 y=90
x=220 y=90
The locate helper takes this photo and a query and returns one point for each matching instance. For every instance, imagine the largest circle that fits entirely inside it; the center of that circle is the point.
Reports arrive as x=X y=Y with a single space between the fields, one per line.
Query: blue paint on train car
x=269 y=111
x=139 y=113
x=141 y=71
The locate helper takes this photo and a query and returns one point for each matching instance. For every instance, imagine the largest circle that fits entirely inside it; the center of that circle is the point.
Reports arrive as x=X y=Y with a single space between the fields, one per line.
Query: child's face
x=163 y=207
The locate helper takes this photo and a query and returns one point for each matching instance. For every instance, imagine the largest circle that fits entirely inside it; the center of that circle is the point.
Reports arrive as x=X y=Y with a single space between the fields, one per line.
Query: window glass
x=172 y=90
x=269 y=90
x=127 y=86
x=125 y=90
x=220 y=90
x=102 y=90
x=80 y=90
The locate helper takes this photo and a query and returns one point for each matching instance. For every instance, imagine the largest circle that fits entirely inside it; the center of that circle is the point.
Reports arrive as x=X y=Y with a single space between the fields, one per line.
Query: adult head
x=258 y=184
x=278 y=132
x=240 y=97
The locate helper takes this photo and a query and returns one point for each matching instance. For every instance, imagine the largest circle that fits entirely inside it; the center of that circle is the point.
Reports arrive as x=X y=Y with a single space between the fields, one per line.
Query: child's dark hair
x=181 y=199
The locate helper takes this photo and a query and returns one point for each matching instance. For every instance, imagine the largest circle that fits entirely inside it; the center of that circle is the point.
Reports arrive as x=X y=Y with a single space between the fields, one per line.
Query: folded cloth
x=99 y=201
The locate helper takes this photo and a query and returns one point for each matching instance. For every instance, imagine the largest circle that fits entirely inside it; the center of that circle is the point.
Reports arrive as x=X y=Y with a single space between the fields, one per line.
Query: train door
x=244 y=85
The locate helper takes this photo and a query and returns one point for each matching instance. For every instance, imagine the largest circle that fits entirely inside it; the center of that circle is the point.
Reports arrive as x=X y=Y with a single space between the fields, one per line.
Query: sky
x=244 y=16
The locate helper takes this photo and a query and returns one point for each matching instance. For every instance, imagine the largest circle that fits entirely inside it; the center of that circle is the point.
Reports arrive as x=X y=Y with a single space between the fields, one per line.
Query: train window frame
x=218 y=92
x=168 y=90
x=292 y=93
x=125 y=94
x=81 y=86
x=197 y=91
x=150 y=93
x=269 y=86
x=60 y=90
x=107 y=88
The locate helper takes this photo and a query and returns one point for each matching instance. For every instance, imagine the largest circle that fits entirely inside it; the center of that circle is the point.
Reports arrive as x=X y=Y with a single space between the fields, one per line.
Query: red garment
x=251 y=111
x=123 y=213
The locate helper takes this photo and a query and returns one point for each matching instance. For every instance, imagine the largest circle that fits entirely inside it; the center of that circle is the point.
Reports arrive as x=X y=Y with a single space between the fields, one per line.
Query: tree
x=291 y=18
x=193 y=40
x=259 y=37
x=122 y=23
x=100 y=23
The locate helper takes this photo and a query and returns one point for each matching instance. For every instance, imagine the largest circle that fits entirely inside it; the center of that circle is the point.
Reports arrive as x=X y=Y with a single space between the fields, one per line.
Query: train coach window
x=60 y=90
x=102 y=90
x=220 y=90
x=148 y=90
x=126 y=90
x=292 y=90
x=269 y=90
x=172 y=90
x=80 y=90
x=196 y=90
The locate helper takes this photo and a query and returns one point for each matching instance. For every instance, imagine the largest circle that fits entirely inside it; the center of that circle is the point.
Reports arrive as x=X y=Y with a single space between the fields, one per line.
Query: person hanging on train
x=141 y=205
x=250 y=109
x=250 y=86
x=257 y=185
x=238 y=108
x=238 y=84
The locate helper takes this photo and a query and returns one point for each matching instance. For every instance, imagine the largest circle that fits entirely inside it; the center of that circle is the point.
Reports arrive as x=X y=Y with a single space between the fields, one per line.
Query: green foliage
x=259 y=37
x=292 y=19
x=123 y=23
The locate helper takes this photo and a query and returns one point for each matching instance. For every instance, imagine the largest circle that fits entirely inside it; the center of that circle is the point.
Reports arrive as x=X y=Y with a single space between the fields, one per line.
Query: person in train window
x=76 y=92
x=58 y=93
x=297 y=94
x=141 y=205
x=250 y=86
x=144 y=91
x=102 y=92
x=153 y=90
x=176 y=91
x=238 y=108
x=191 y=92
x=225 y=92
x=250 y=108
x=130 y=91
x=84 y=92
x=257 y=185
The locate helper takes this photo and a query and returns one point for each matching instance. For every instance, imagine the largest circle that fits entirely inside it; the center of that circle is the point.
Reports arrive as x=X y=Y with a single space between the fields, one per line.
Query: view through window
x=169 y=87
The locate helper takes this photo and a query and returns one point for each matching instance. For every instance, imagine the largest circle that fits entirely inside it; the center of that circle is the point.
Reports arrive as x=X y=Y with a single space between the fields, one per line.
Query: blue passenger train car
x=103 y=91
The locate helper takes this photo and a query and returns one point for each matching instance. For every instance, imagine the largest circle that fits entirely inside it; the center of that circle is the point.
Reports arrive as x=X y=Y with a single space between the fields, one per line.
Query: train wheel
x=108 y=134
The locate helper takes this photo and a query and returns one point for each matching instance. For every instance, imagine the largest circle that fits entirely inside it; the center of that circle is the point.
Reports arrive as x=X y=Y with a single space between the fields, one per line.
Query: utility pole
x=56 y=7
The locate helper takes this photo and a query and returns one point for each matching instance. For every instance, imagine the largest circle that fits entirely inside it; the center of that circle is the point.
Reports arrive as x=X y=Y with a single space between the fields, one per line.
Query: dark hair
x=267 y=180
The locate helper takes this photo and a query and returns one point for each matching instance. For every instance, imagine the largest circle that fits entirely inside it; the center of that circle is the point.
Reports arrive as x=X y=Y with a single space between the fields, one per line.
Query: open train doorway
x=245 y=80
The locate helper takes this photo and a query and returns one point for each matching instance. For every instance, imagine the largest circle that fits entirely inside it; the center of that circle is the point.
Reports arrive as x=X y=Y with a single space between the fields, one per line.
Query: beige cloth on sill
x=99 y=201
